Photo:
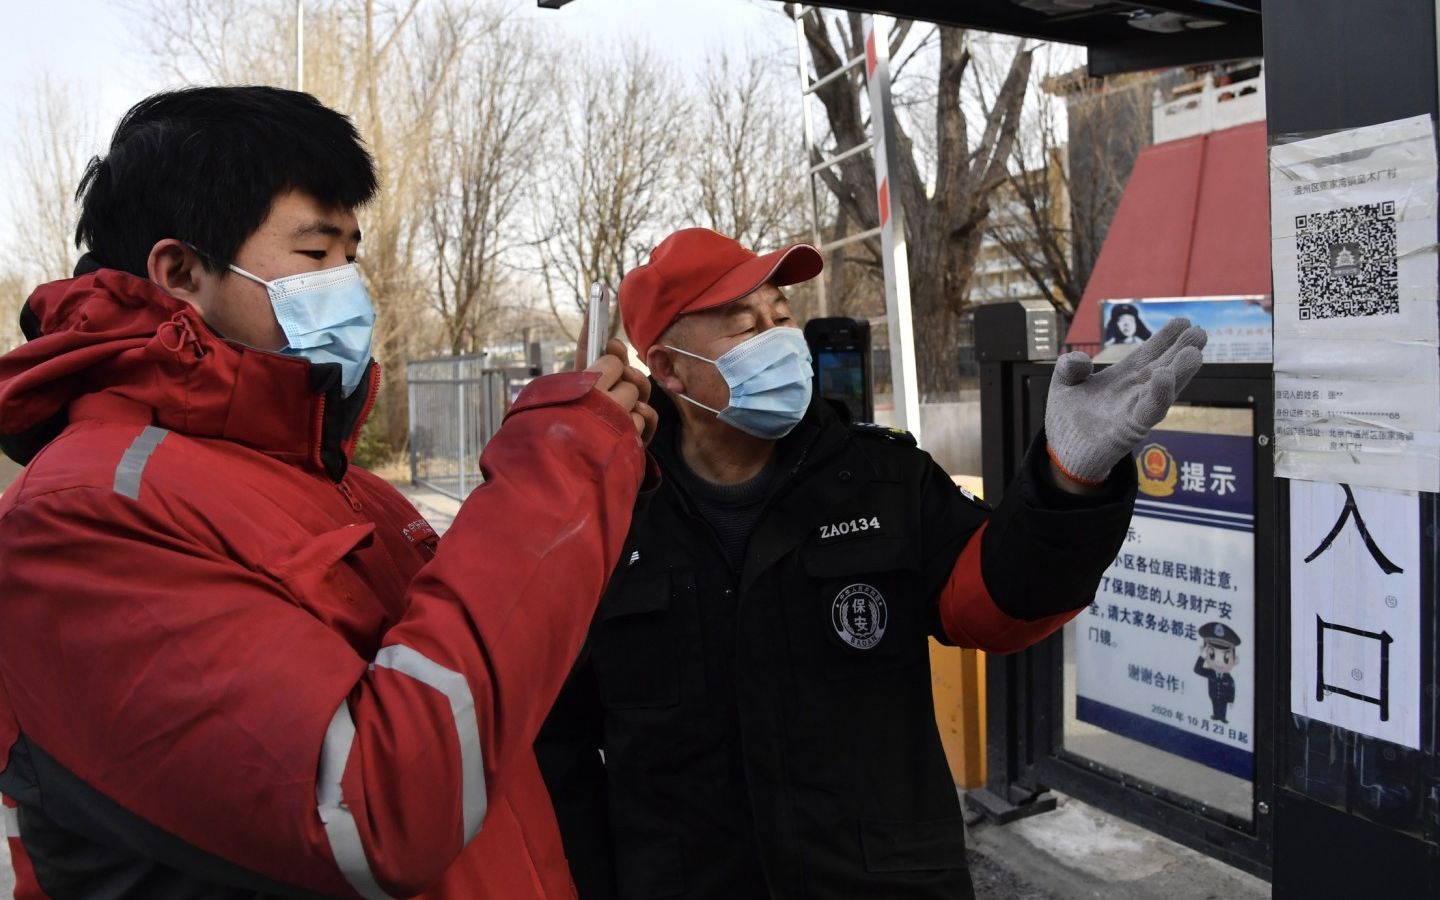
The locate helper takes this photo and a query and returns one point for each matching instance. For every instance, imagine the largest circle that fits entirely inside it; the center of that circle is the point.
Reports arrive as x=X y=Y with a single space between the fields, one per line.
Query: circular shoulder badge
x=859 y=616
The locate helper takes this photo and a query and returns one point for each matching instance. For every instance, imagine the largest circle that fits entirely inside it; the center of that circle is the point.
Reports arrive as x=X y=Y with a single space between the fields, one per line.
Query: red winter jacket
x=231 y=665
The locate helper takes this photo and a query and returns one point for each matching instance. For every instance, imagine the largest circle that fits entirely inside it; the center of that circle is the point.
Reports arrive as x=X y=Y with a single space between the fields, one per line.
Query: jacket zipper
x=349 y=495
x=318 y=441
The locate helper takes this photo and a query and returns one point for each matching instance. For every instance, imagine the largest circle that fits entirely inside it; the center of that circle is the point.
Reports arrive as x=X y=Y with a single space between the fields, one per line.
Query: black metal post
x=1354 y=817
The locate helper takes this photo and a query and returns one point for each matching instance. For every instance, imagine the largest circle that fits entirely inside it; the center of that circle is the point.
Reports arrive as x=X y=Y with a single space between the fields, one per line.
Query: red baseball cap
x=697 y=269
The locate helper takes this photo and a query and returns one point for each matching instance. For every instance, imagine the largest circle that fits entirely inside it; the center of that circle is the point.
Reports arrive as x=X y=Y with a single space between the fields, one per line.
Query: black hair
x=1112 y=328
x=203 y=165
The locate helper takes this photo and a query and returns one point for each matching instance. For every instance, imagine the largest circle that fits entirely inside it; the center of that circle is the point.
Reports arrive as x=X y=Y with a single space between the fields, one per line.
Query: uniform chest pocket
x=866 y=616
x=321 y=577
x=634 y=645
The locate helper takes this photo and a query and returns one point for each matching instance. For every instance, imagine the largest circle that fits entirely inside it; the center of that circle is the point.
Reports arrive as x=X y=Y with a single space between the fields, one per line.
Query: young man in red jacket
x=232 y=664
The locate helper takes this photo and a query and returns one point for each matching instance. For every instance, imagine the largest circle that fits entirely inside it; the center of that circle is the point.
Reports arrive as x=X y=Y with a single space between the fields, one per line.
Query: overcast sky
x=94 y=49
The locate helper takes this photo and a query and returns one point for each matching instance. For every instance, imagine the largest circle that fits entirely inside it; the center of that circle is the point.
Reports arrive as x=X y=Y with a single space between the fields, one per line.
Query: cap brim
x=788 y=265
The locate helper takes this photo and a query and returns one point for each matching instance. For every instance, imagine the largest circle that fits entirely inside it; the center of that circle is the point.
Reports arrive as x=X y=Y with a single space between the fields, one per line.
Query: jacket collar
x=819 y=434
x=107 y=341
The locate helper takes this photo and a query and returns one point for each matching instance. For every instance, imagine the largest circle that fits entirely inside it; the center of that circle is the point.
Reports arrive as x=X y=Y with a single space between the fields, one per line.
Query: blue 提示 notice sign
x=1165 y=654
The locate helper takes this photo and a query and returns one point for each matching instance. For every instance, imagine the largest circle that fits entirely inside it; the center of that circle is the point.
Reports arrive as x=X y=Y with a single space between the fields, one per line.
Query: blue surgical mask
x=327 y=317
x=769 y=377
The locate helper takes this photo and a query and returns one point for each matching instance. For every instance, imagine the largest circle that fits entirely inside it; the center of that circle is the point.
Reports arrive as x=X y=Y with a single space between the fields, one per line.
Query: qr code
x=1347 y=262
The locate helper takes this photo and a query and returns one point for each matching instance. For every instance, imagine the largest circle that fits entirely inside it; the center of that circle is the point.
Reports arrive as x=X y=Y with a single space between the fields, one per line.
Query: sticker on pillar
x=1238 y=327
x=1355 y=609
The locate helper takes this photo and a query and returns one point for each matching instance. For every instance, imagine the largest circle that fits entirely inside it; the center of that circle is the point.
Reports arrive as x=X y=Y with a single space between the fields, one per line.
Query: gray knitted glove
x=1093 y=421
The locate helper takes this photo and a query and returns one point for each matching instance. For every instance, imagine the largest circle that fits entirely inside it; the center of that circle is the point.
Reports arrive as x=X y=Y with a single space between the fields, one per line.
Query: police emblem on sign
x=859 y=616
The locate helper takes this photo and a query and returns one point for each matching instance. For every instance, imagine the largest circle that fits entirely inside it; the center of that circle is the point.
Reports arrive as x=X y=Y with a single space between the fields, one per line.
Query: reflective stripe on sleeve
x=10 y=821
x=456 y=689
x=339 y=822
x=132 y=464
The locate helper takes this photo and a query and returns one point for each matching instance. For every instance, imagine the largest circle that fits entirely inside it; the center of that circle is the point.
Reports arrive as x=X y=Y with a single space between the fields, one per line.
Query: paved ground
x=7 y=874
x=438 y=509
x=1078 y=852
x=8 y=471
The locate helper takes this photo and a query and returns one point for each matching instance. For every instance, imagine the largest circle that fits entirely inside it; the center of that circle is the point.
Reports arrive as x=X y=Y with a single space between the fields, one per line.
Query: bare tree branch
x=476 y=164
x=1055 y=205
x=47 y=147
x=945 y=220
x=898 y=67
x=739 y=174
x=607 y=191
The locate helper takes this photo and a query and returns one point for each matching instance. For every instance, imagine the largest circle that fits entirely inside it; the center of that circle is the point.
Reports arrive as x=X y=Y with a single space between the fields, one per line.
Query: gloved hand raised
x=1094 y=420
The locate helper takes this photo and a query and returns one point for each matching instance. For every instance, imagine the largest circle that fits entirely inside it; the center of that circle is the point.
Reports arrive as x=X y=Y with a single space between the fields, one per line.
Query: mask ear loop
x=689 y=354
x=208 y=258
x=688 y=398
x=239 y=271
x=695 y=402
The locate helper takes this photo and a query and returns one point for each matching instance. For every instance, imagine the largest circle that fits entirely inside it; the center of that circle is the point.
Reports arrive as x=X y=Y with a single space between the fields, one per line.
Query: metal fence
x=456 y=405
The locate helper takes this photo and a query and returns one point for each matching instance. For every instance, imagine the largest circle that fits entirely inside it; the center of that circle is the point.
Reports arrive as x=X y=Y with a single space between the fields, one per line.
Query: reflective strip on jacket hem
x=340 y=825
x=456 y=689
x=132 y=464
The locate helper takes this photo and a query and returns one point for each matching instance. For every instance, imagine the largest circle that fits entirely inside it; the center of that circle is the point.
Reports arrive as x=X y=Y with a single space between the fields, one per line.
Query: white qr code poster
x=1357 y=339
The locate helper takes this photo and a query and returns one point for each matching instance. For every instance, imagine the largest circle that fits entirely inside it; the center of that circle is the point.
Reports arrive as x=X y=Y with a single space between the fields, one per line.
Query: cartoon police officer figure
x=1218 y=657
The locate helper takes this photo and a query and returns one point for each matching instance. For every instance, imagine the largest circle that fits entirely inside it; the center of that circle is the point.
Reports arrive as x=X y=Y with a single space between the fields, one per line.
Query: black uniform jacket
x=770 y=732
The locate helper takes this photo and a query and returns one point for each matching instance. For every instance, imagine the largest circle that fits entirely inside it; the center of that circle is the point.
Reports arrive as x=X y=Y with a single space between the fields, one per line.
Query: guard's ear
x=661 y=363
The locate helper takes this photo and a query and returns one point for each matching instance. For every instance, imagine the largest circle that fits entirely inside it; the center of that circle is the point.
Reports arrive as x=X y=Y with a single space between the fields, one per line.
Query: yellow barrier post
x=958 y=685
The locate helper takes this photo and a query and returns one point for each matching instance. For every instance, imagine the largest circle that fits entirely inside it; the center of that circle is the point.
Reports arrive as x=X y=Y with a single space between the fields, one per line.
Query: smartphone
x=598 y=331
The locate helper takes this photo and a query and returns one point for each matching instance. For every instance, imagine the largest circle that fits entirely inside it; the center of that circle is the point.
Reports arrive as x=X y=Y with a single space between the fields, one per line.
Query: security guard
x=758 y=671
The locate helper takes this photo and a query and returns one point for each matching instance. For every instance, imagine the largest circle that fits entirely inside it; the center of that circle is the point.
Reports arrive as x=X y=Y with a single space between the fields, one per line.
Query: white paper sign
x=1355 y=609
x=1357 y=372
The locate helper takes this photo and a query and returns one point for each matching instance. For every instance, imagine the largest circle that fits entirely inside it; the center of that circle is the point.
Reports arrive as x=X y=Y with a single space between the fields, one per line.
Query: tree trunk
x=938 y=336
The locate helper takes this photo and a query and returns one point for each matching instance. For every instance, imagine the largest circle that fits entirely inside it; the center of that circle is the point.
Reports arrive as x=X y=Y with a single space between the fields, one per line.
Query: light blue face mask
x=327 y=317
x=769 y=377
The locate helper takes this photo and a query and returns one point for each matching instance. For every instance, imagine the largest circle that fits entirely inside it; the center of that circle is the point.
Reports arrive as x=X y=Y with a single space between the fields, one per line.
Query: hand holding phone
x=597 y=323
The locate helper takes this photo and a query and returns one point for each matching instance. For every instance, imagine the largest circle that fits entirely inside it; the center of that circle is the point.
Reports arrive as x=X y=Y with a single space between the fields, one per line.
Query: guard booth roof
x=1121 y=36
x=1194 y=221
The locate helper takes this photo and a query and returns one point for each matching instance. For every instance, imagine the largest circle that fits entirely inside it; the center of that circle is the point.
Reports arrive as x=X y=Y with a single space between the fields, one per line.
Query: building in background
x=1112 y=119
x=1170 y=190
